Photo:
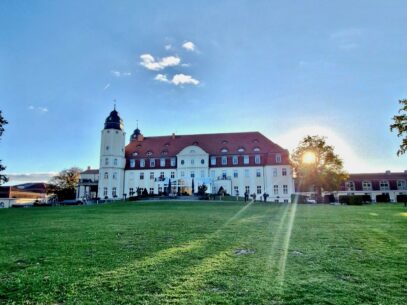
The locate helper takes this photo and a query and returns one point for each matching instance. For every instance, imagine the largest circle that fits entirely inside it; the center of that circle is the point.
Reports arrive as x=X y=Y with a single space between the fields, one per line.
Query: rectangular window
x=172 y=174
x=142 y=176
x=224 y=160
x=350 y=186
x=142 y=163
x=115 y=162
x=236 y=190
x=192 y=174
x=223 y=175
x=160 y=189
x=192 y=161
x=259 y=189
x=131 y=191
x=213 y=160
x=284 y=172
x=285 y=189
x=401 y=184
x=257 y=159
x=278 y=158
x=384 y=185
x=114 y=192
x=366 y=185
x=162 y=175
x=275 y=189
x=182 y=173
x=151 y=190
x=275 y=172
x=151 y=175
x=162 y=162
x=106 y=176
x=132 y=163
x=114 y=176
x=235 y=160
x=202 y=174
x=152 y=162
x=173 y=162
x=245 y=160
x=235 y=174
x=258 y=173
x=107 y=161
x=105 y=191
x=247 y=189
x=246 y=173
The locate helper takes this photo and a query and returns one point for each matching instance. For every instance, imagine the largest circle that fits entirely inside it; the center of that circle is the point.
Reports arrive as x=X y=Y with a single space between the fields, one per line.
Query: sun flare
x=309 y=157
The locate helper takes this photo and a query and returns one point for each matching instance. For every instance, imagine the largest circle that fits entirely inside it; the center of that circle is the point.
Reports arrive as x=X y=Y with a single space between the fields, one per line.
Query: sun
x=308 y=157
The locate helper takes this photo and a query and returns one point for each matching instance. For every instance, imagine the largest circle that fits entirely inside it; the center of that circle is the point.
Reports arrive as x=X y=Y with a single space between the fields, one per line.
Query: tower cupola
x=113 y=121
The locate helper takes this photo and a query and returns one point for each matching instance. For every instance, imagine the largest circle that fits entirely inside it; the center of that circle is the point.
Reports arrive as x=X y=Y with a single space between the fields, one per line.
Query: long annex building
x=237 y=162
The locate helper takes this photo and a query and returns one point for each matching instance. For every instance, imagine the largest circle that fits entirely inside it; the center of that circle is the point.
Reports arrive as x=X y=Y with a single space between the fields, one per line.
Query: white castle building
x=238 y=162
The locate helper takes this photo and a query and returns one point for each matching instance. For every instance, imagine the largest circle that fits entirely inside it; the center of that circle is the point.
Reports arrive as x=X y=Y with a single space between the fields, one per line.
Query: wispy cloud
x=40 y=109
x=29 y=177
x=106 y=87
x=189 y=46
x=149 y=62
x=168 y=47
x=120 y=74
x=347 y=39
x=177 y=79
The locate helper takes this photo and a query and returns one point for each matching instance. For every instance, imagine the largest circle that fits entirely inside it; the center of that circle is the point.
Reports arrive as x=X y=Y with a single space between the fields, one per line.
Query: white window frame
x=235 y=160
x=278 y=158
x=132 y=163
x=246 y=159
x=152 y=162
x=213 y=160
x=224 y=160
x=162 y=162
x=142 y=163
x=257 y=159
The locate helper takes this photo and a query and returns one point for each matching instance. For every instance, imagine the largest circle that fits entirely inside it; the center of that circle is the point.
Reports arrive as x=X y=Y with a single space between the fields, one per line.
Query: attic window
x=241 y=149
x=149 y=153
x=256 y=149
x=164 y=152
x=224 y=150
x=135 y=154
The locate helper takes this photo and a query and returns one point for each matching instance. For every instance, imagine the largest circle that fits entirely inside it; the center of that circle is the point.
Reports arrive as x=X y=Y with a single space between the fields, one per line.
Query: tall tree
x=64 y=184
x=3 y=122
x=316 y=165
x=400 y=125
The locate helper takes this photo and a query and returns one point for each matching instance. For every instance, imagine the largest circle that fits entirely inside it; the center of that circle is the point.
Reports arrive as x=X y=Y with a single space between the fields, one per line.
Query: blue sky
x=284 y=68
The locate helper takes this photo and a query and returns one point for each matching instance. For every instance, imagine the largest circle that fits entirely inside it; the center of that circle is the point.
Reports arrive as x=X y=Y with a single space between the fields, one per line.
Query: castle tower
x=112 y=159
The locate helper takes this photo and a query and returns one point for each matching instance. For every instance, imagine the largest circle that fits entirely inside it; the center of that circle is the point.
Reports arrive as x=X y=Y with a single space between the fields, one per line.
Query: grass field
x=204 y=253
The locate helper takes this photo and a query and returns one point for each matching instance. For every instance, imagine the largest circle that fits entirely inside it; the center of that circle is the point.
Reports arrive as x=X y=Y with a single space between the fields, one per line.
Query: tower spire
x=114 y=105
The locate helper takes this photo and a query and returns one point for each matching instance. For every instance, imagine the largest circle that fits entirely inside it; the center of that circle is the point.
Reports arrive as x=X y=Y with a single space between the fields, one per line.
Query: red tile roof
x=213 y=144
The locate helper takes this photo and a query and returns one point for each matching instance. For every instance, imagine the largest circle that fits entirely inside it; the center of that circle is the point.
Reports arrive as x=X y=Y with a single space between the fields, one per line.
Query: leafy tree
x=202 y=189
x=316 y=165
x=400 y=125
x=64 y=184
x=3 y=178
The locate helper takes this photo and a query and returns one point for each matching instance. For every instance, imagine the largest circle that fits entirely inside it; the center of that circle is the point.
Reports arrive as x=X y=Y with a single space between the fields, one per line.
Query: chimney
x=388 y=172
x=88 y=167
x=173 y=136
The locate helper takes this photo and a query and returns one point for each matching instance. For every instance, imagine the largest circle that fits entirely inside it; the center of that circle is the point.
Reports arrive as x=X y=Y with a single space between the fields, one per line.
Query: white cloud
x=347 y=39
x=39 y=108
x=189 y=46
x=149 y=62
x=29 y=177
x=177 y=79
x=119 y=74
x=106 y=87
x=168 y=47
x=161 y=78
x=182 y=79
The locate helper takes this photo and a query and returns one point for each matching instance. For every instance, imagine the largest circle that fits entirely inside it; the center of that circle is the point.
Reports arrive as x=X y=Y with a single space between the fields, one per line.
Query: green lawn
x=204 y=253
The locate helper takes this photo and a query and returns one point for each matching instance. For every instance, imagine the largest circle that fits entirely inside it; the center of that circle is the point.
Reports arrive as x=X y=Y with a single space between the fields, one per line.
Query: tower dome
x=113 y=121
x=135 y=134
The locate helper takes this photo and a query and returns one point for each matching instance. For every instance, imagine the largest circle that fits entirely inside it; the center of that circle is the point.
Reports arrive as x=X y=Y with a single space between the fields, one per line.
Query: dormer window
x=135 y=154
x=164 y=152
x=278 y=158
x=149 y=153
x=256 y=149
x=132 y=163
x=241 y=149
x=224 y=150
x=384 y=185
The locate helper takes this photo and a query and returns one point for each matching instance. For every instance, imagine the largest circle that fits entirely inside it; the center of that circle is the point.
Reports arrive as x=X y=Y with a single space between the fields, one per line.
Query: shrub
x=401 y=198
x=329 y=198
x=383 y=198
x=355 y=199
